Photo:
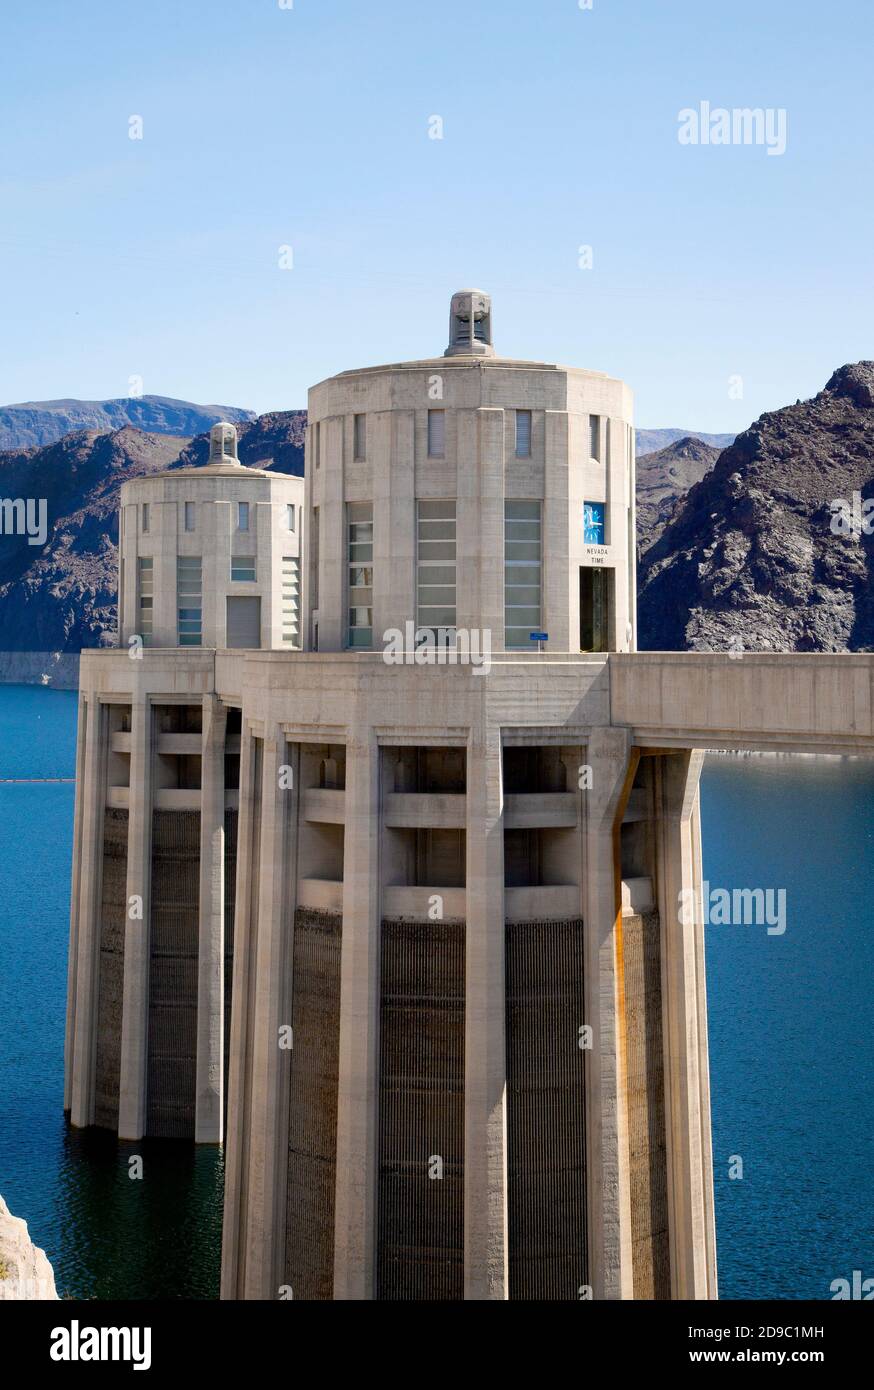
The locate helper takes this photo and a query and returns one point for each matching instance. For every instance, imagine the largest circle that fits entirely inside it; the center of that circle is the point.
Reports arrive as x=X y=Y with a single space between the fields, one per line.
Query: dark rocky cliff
x=749 y=560
x=663 y=479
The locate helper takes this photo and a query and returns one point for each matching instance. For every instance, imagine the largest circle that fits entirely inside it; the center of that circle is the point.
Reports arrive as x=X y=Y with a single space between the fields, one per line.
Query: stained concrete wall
x=173 y=955
x=647 y=1157
x=420 y=1205
x=312 y=1105
x=546 y=1111
x=110 y=986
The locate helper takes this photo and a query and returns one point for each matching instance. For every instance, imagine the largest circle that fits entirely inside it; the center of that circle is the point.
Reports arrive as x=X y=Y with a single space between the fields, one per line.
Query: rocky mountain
x=60 y=596
x=663 y=478
x=274 y=441
x=750 y=560
x=35 y=423
x=650 y=441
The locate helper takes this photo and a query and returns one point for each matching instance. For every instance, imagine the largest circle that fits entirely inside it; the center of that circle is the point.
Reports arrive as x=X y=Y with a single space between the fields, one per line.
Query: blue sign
x=539 y=636
x=593 y=523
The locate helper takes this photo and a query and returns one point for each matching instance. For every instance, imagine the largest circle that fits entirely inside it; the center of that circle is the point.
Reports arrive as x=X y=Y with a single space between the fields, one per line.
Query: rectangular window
x=145 y=517
x=435 y=565
x=189 y=516
x=436 y=434
x=291 y=600
x=317 y=444
x=522 y=571
x=243 y=569
x=145 y=596
x=242 y=516
x=359 y=447
x=359 y=517
x=594 y=523
x=189 y=600
x=523 y=434
x=289 y=516
x=595 y=437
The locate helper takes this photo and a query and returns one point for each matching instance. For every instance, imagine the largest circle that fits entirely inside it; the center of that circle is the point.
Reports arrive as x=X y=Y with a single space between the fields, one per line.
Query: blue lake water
x=791 y=1040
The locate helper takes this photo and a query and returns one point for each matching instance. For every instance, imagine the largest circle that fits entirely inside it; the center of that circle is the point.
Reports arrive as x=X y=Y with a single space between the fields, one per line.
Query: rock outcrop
x=663 y=479
x=750 y=560
x=24 y=1269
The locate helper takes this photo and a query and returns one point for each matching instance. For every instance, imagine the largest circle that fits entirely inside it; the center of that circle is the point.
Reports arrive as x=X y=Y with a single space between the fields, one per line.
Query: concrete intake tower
x=381 y=829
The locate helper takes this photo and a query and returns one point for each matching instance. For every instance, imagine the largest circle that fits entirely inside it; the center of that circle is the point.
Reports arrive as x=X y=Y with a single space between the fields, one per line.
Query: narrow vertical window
x=145 y=517
x=145 y=597
x=242 y=516
x=522 y=571
x=436 y=434
x=595 y=437
x=359 y=450
x=316 y=441
x=359 y=516
x=289 y=516
x=189 y=600
x=189 y=516
x=435 y=565
x=523 y=434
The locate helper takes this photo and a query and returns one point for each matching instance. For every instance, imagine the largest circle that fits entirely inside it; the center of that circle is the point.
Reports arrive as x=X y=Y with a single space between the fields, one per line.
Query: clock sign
x=593 y=523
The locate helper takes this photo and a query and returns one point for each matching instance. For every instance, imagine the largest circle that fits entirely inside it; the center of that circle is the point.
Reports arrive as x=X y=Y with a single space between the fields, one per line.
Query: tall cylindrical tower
x=471 y=492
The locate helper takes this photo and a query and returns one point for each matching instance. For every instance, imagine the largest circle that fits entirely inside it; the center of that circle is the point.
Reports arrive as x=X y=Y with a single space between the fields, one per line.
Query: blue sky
x=265 y=127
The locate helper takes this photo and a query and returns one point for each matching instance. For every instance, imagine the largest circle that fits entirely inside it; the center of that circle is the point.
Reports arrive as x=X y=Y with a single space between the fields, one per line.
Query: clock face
x=593 y=523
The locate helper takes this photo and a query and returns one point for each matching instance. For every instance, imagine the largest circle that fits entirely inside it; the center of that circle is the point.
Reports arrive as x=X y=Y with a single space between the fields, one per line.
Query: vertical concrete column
x=135 y=1005
x=358 y=1080
x=129 y=551
x=618 y=483
x=486 y=1270
x=75 y=890
x=631 y=539
x=268 y=1128
x=236 y=1138
x=688 y=1129
x=165 y=522
x=556 y=566
x=392 y=436
x=262 y=520
x=209 y=1102
x=613 y=761
x=225 y=520
x=480 y=522
x=703 y=1043
x=211 y=580
x=333 y=550
x=92 y=790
